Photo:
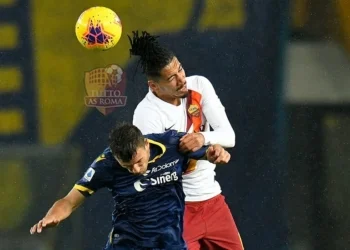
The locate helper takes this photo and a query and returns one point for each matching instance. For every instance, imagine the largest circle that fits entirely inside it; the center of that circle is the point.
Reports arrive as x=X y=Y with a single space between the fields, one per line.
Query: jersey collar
x=162 y=146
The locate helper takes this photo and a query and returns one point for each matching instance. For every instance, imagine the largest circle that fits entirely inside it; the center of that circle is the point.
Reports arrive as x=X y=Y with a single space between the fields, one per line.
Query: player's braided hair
x=153 y=56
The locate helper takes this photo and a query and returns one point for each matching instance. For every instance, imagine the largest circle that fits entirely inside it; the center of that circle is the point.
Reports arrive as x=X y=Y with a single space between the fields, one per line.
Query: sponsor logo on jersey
x=167 y=129
x=142 y=184
x=161 y=167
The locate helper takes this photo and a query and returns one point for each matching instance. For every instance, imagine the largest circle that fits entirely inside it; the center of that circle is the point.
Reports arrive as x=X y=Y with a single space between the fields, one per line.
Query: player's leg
x=194 y=245
x=222 y=232
x=194 y=225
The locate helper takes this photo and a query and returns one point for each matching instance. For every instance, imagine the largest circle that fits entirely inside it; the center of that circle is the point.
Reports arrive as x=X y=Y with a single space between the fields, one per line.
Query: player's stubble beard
x=176 y=95
x=181 y=94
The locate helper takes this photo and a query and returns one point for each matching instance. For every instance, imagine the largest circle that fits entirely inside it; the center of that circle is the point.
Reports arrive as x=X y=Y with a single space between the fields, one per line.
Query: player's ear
x=146 y=144
x=153 y=85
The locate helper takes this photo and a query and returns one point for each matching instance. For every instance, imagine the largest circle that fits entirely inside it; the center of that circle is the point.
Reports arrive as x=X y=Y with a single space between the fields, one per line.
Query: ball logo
x=105 y=88
x=96 y=36
x=98 y=28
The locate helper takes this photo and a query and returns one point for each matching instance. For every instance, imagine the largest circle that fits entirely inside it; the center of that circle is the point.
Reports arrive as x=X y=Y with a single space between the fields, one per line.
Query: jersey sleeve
x=147 y=120
x=215 y=114
x=96 y=177
x=197 y=155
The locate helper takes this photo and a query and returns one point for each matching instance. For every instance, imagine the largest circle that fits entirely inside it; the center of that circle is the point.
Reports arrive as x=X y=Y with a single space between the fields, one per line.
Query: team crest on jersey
x=100 y=158
x=193 y=110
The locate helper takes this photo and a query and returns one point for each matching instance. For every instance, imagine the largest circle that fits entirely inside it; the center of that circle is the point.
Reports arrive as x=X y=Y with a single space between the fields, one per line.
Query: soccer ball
x=98 y=28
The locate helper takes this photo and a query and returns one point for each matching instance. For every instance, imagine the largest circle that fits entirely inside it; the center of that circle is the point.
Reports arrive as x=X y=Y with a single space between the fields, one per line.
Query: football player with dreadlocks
x=188 y=104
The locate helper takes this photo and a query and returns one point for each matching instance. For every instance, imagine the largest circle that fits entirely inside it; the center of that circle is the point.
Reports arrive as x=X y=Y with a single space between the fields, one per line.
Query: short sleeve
x=96 y=177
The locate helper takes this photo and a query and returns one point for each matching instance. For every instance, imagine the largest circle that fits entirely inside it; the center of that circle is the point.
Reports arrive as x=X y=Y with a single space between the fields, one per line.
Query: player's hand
x=191 y=142
x=218 y=155
x=46 y=222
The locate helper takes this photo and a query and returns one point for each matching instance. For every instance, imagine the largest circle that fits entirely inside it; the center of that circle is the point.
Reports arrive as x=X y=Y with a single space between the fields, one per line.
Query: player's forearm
x=61 y=209
x=226 y=139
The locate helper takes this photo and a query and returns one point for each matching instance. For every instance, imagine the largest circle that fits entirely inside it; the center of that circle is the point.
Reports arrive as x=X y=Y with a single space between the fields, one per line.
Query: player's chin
x=182 y=94
x=142 y=172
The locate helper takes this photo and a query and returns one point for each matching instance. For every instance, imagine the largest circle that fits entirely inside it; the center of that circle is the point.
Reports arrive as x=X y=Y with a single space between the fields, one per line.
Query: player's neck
x=171 y=100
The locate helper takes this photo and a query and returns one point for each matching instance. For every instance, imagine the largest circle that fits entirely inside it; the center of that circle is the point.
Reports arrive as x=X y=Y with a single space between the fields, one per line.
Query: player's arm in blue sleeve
x=96 y=177
x=200 y=154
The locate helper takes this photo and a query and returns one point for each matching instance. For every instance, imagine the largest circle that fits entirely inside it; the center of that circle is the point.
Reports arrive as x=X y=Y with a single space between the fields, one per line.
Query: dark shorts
x=127 y=244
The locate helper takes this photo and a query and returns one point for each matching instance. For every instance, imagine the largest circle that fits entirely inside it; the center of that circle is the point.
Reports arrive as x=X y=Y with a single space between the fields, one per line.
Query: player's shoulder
x=168 y=138
x=146 y=106
x=197 y=82
x=104 y=161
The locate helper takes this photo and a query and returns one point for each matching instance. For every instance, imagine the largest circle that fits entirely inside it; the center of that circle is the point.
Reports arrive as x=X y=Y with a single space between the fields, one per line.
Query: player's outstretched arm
x=60 y=210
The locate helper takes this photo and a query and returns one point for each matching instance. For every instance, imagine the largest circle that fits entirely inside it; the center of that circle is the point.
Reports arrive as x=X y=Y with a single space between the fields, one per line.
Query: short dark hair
x=124 y=140
x=153 y=56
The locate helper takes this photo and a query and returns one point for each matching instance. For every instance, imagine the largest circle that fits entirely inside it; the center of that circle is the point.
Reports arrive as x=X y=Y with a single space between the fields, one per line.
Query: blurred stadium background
x=280 y=68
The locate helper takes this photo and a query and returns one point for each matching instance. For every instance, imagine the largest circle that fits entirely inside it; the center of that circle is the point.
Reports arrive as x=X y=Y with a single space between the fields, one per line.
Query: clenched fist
x=191 y=142
x=218 y=155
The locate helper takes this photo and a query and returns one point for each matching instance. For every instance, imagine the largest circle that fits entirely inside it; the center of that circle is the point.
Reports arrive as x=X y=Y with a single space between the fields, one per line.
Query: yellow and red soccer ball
x=98 y=28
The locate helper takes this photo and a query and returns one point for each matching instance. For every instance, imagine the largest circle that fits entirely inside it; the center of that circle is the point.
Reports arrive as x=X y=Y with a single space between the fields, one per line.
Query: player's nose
x=181 y=80
x=136 y=169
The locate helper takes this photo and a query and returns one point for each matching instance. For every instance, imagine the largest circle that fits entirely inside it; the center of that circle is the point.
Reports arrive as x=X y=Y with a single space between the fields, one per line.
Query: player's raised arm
x=213 y=153
x=215 y=114
x=214 y=111
x=60 y=210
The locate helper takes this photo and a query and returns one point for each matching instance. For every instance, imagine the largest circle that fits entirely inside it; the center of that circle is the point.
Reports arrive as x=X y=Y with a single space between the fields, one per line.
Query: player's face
x=139 y=162
x=172 y=84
